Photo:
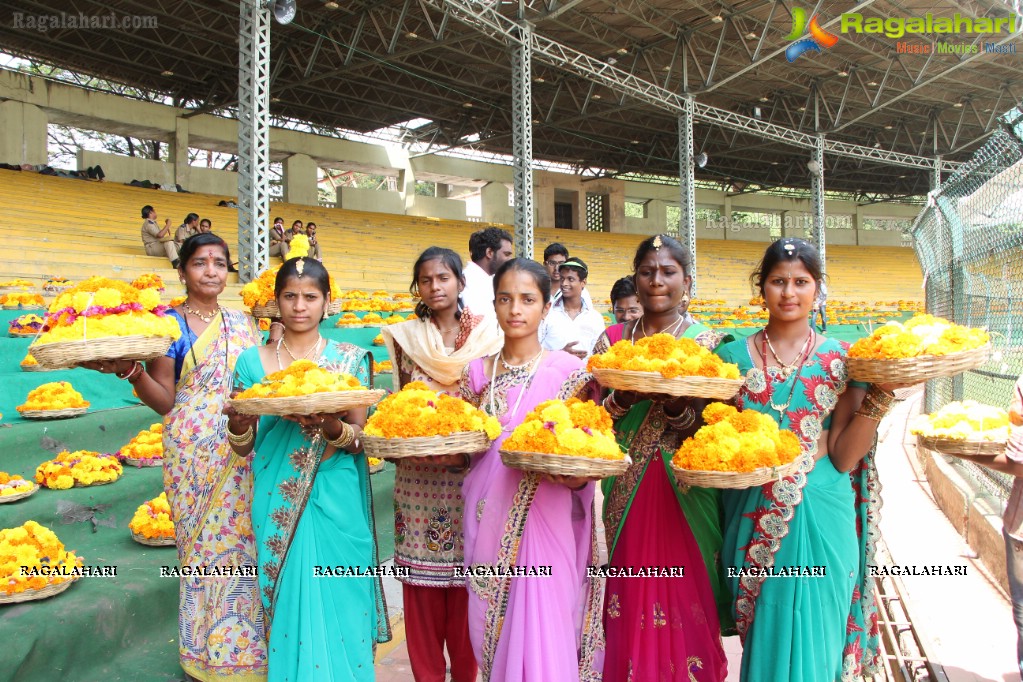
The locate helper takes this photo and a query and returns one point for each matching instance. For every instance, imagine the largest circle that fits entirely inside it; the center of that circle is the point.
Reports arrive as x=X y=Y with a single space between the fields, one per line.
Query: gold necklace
x=787 y=368
x=207 y=318
x=305 y=355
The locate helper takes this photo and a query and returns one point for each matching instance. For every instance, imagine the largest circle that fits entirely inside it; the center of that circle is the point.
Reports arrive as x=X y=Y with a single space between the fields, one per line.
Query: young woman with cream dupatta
x=528 y=629
x=428 y=506
x=661 y=628
x=220 y=620
x=312 y=504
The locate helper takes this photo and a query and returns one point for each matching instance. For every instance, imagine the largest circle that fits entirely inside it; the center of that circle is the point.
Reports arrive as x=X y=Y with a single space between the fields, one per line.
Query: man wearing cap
x=572 y=324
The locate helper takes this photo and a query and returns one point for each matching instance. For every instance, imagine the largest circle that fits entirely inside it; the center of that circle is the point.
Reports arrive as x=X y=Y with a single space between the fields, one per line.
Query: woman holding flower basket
x=535 y=629
x=805 y=629
x=659 y=627
x=312 y=503
x=220 y=620
x=434 y=348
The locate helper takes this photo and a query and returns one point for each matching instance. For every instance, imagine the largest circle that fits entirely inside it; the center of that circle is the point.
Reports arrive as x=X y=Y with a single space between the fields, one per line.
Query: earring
x=816 y=307
x=685 y=299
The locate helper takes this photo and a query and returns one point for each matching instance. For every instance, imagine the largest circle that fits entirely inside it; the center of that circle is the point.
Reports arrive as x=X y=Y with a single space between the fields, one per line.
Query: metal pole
x=687 y=183
x=817 y=201
x=253 y=139
x=522 y=141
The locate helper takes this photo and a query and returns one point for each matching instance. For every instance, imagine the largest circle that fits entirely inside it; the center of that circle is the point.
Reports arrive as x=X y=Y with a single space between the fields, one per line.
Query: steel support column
x=936 y=175
x=687 y=184
x=253 y=139
x=817 y=201
x=522 y=141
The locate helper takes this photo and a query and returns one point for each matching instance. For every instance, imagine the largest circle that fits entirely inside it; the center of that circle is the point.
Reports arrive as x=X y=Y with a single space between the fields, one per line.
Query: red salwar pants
x=433 y=616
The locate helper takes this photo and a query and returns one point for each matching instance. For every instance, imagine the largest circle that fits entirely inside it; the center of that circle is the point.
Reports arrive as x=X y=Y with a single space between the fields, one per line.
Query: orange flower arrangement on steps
x=418 y=411
x=570 y=427
x=150 y=280
x=18 y=300
x=56 y=395
x=734 y=441
x=665 y=355
x=79 y=468
x=13 y=485
x=25 y=325
x=302 y=377
x=21 y=283
x=922 y=334
x=384 y=366
x=33 y=546
x=146 y=448
x=152 y=519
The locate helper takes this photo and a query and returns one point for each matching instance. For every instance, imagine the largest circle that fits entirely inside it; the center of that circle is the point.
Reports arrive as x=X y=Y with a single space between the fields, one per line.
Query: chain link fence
x=969 y=240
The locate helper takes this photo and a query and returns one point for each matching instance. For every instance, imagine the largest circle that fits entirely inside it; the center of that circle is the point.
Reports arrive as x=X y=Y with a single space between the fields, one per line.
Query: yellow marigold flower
x=152 y=519
x=965 y=420
x=55 y=395
x=29 y=545
x=666 y=355
x=302 y=377
x=82 y=467
x=417 y=411
x=923 y=334
x=572 y=427
x=736 y=441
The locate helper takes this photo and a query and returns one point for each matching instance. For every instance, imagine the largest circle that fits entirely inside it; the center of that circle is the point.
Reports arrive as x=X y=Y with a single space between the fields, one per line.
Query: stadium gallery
x=930 y=25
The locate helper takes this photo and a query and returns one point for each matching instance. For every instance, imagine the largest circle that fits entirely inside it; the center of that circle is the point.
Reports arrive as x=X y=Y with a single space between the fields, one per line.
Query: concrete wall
x=436 y=207
x=127 y=168
x=380 y=201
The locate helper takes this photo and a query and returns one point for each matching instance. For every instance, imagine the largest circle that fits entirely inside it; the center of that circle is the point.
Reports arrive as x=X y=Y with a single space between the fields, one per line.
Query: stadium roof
x=365 y=64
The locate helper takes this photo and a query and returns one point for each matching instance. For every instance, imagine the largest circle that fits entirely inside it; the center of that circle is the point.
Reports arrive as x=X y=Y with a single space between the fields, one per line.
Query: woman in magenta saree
x=528 y=629
x=661 y=628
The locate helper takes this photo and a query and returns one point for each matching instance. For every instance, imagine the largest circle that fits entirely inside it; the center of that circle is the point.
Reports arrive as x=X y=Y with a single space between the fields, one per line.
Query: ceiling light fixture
x=814 y=167
x=701 y=160
x=411 y=35
x=622 y=50
x=166 y=72
x=717 y=19
x=889 y=126
x=764 y=98
x=751 y=36
x=634 y=142
x=539 y=79
x=843 y=73
x=331 y=5
x=597 y=96
x=872 y=83
x=467 y=105
x=958 y=105
x=283 y=10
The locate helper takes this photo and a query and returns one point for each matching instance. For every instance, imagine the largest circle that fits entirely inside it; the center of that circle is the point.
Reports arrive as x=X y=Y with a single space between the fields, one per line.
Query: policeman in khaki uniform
x=157 y=241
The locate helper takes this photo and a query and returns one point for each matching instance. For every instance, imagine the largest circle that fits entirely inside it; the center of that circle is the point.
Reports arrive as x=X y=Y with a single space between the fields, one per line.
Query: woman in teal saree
x=312 y=503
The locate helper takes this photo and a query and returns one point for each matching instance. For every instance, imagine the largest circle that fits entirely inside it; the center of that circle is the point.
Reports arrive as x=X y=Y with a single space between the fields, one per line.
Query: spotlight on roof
x=284 y=10
x=701 y=160
x=843 y=73
x=331 y=4
x=717 y=19
x=958 y=105
x=166 y=72
x=814 y=167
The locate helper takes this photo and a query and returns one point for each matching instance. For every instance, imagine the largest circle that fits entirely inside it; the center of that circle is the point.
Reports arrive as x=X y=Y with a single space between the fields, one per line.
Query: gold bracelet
x=613 y=408
x=241 y=439
x=346 y=438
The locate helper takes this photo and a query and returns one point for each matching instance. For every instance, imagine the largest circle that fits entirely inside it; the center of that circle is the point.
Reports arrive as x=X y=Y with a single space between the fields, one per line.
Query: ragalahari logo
x=818 y=40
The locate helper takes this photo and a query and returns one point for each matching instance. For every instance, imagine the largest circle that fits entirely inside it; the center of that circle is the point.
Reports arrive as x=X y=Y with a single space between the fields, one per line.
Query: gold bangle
x=241 y=439
x=613 y=408
x=346 y=437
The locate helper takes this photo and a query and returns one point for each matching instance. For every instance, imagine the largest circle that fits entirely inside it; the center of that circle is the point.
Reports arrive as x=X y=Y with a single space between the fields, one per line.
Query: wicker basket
x=915 y=370
x=22 y=335
x=152 y=542
x=273 y=312
x=37 y=368
x=93 y=485
x=652 y=382
x=358 y=325
x=733 y=479
x=33 y=595
x=142 y=463
x=376 y=468
x=962 y=448
x=19 y=496
x=315 y=403
x=54 y=414
x=425 y=446
x=565 y=465
x=69 y=353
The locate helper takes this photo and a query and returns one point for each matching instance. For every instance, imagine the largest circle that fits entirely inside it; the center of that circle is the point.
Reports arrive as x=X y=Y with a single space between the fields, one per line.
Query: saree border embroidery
x=495 y=590
x=593 y=629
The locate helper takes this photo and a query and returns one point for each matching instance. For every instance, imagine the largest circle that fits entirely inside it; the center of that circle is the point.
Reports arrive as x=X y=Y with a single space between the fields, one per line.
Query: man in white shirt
x=488 y=249
x=554 y=256
x=572 y=324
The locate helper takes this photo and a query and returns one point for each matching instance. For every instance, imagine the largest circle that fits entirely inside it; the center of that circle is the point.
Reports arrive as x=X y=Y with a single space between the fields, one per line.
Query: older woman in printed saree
x=535 y=629
x=220 y=619
x=312 y=504
x=660 y=627
x=815 y=628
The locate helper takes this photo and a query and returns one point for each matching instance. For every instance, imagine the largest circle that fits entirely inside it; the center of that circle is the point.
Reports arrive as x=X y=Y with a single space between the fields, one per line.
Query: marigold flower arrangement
x=666 y=355
x=11 y=283
x=299 y=246
x=355 y=293
x=966 y=420
x=81 y=468
x=33 y=546
x=56 y=283
x=152 y=519
x=348 y=320
x=102 y=307
x=260 y=291
x=146 y=446
x=373 y=461
x=372 y=318
x=150 y=280
x=736 y=441
x=23 y=300
x=56 y=395
x=418 y=411
x=13 y=485
x=394 y=319
x=176 y=301
x=566 y=427
x=302 y=377
x=25 y=325
x=923 y=334
x=264 y=324
x=382 y=366
x=29 y=361
x=378 y=340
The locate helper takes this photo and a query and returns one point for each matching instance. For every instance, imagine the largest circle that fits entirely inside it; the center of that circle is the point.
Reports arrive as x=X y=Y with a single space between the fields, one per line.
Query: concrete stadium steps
x=60 y=226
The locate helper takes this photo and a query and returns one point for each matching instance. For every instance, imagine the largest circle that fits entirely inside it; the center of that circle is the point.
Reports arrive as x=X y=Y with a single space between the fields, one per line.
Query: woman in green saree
x=660 y=628
x=312 y=503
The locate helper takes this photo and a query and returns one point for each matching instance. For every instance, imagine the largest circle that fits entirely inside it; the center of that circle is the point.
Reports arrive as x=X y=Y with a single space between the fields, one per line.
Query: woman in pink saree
x=533 y=628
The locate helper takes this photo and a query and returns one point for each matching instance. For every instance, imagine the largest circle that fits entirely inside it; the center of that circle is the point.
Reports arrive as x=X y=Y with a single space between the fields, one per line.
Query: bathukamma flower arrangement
x=303 y=387
x=41 y=553
x=79 y=469
x=736 y=449
x=145 y=449
x=964 y=429
x=14 y=487
x=152 y=524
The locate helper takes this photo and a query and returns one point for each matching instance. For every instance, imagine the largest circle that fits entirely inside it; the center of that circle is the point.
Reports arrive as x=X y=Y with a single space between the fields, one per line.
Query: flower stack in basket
x=925 y=347
x=104 y=319
x=152 y=524
x=964 y=429
x=304 y=387
x=419 y=422
x=566 y=438
x=258 y=295
x=35 y=548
